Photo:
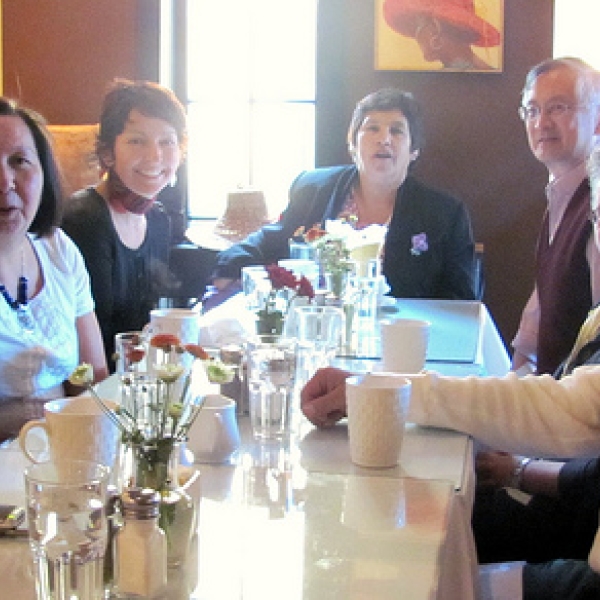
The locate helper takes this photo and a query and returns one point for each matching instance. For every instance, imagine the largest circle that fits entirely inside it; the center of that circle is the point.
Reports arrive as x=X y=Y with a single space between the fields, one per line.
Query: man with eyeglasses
x=560 y=105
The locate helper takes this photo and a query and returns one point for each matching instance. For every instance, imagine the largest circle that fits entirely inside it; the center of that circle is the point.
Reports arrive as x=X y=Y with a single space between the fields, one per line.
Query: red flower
x=197 y=351
x=134 y=354
x=280 y=277
x=165 y=341
x=314 y=233
x=305 y=288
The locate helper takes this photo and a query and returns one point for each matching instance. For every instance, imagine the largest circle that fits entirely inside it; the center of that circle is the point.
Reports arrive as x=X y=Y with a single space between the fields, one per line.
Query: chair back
x=478 y=272
x=75 y=151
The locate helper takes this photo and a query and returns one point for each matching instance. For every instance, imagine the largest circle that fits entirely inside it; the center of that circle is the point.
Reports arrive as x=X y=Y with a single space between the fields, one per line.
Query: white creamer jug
x=214 y=436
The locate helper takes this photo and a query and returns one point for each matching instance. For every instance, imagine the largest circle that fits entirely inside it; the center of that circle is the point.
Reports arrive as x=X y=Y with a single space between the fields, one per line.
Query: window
x=575 y=30
x=250 y=99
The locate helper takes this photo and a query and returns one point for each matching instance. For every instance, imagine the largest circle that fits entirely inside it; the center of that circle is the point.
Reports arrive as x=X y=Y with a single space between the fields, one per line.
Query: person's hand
x=222 y=283
x=495 y=469
x=323 y=399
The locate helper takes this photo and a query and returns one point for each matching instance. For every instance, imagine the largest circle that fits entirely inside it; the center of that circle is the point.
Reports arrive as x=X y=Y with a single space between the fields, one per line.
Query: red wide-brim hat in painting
x=403 y=16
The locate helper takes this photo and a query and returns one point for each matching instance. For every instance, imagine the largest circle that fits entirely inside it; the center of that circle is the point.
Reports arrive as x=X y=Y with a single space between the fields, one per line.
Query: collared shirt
x=558 y=192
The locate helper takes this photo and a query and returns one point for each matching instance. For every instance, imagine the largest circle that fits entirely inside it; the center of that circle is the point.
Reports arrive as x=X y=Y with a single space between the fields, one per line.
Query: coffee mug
x=214 y=435
x=404 y=345
x=377 y=406
x=182 y=322
x=75 y=428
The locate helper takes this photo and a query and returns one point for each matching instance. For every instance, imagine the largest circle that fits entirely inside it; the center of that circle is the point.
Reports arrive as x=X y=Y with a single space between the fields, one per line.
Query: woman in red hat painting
x=446 y=30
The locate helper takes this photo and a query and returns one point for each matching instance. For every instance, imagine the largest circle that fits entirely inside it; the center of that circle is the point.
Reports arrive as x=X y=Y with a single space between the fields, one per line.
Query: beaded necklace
x=20 y=305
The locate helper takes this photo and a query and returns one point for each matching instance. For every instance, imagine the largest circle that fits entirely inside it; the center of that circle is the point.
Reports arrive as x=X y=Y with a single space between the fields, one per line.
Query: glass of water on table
x=271 y=372
x=67 y=528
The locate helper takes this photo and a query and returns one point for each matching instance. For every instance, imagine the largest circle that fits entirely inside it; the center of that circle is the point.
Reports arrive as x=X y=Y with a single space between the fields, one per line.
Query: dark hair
x=388 y=99
x=149 y=98
x=49 y=212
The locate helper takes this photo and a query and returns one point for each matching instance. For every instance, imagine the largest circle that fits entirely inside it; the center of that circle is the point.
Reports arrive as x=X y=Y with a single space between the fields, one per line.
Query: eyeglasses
x=554 y=110
x=594 y=216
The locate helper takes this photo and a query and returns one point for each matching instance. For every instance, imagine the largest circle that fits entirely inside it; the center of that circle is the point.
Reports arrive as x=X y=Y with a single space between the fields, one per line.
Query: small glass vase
x=337 y=283
x=155 y=464
x=269 y=323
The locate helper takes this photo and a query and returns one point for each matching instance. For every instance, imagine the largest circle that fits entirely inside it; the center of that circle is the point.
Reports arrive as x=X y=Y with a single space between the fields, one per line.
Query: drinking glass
x=130 y=352
x=67 y=529
x=271 y=373
x=255 y=286
x=319 y=331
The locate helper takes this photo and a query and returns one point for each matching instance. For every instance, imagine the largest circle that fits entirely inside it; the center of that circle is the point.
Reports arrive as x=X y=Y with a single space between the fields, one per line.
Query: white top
x=35 y=364
x=532 y=415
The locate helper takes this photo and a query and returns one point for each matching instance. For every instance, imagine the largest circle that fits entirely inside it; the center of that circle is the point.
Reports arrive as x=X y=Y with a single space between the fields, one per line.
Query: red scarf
x=132 y=202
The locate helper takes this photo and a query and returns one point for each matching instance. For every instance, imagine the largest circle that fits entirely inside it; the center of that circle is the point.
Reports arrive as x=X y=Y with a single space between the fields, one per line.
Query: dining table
x=296 y=519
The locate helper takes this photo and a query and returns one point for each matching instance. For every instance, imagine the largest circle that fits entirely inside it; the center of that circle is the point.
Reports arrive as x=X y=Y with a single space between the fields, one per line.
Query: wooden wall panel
x=59 y=55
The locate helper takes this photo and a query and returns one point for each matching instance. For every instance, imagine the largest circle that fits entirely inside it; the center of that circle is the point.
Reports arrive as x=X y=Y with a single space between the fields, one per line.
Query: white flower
x=354 y=238
x=169 y=372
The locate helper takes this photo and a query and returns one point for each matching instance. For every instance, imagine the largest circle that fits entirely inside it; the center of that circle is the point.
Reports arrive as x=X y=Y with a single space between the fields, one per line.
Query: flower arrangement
x=271 y=316
x=157 y=409
x=333 y=252
x=342 y=248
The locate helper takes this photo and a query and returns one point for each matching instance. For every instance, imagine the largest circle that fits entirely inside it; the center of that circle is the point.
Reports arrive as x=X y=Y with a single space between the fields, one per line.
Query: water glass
x=271 y=376
x=139 y=396
x=301 y=250
x=67 y=529
x=256 y=286
x=322 y=329
x=130 y=352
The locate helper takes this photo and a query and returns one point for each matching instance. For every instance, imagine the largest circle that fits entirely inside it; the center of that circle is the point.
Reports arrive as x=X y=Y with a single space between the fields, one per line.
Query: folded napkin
x=228 y=323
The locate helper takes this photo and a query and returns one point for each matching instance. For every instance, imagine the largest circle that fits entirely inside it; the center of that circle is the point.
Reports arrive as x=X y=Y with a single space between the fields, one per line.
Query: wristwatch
x=517 y=475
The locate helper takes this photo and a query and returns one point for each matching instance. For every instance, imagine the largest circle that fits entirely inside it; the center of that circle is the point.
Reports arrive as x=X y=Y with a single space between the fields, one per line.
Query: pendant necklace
x=20 y=305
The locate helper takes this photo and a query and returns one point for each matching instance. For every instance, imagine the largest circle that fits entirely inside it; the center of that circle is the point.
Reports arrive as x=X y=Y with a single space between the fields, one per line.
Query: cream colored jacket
x=533 y=415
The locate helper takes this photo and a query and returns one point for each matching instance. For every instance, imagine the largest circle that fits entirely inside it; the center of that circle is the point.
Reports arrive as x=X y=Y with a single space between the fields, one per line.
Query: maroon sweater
x=563 y=281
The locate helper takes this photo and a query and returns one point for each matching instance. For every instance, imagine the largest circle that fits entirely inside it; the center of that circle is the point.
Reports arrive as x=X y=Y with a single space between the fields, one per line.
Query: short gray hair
x=588 y=82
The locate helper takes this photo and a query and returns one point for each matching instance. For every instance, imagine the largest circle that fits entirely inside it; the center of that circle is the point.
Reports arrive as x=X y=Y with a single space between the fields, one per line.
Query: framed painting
x=439 y=35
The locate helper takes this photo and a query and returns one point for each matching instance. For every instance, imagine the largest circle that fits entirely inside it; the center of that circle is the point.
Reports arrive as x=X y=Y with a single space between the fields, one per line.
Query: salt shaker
x=141 y=547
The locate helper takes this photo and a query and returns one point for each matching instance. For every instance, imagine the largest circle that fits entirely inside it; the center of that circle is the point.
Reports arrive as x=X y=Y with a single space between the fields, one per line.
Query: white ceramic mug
x=75 y=428
x=214 y=435
x=182 y=322
x=404 y=345
x=377 y=406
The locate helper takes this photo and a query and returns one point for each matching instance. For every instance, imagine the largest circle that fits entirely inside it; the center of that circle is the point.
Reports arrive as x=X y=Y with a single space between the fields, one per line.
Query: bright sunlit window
x=576 y=30
x=251 y=99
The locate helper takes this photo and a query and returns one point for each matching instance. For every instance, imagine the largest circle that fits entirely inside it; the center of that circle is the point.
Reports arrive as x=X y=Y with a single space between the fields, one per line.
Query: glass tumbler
x=67 y=528
x=271 y=372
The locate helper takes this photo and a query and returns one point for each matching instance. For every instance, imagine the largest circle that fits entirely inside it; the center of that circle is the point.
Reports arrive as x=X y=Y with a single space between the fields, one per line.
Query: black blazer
x=441 y=268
